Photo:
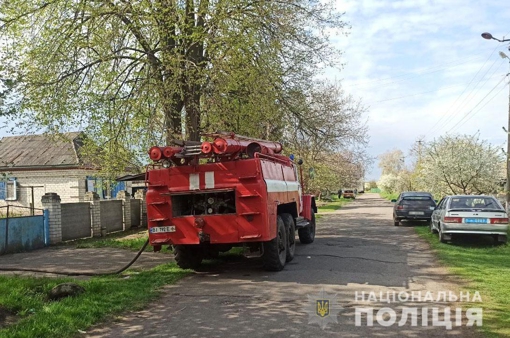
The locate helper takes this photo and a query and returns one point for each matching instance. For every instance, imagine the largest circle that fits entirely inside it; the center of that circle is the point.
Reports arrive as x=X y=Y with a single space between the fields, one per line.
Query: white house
x=33 y=165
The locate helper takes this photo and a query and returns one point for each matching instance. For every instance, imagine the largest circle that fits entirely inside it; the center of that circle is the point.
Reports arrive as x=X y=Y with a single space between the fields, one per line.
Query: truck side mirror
x=300 y=162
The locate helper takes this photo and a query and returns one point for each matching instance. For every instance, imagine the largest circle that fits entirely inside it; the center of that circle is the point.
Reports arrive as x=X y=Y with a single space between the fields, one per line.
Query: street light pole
x=489 y=36
x=508 y=155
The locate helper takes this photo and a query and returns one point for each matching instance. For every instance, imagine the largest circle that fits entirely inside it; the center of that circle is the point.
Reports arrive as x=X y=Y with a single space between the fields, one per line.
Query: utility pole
x=489 y=36
x=507 y=185
x=420 y=142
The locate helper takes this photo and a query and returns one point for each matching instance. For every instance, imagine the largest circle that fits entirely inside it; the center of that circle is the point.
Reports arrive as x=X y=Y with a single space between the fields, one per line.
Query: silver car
x=470 y=214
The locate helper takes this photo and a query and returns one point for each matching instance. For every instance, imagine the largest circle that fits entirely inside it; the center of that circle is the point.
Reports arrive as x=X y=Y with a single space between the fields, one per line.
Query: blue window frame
x=2 y=190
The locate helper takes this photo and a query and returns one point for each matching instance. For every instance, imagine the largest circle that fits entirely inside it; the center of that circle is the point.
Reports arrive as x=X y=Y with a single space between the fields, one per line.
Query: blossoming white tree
x=462 y=165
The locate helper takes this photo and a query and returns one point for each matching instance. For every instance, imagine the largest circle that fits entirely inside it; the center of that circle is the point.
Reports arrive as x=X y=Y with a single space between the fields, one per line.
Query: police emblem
x=322 y=309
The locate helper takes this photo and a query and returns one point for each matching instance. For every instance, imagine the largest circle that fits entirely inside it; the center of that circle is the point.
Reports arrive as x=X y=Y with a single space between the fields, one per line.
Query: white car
x=470 y=214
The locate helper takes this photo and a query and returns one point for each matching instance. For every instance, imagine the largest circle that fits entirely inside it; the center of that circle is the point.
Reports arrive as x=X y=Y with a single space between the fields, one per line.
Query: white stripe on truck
x=194 y=181
x=209 y=179
x=281 y=186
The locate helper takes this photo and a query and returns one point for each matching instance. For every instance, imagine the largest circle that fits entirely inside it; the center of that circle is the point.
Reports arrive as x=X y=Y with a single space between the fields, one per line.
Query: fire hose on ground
x=76 y=273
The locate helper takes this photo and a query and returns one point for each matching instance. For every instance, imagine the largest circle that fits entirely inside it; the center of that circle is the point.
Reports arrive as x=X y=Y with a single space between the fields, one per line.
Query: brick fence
x=92 y=223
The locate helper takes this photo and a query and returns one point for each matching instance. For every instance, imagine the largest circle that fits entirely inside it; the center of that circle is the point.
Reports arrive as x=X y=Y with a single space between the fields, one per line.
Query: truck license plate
x=157 y=230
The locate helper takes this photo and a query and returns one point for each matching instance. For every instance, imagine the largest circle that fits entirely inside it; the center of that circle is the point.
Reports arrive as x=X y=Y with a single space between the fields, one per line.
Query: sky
x=423 y=70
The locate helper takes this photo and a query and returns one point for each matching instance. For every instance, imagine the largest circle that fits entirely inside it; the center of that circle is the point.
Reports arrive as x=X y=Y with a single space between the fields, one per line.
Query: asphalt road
x=357 y=249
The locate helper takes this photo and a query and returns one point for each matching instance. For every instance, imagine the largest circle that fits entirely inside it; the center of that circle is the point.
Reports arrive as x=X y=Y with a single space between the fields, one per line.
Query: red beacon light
x=206 y=148
x=155 y=153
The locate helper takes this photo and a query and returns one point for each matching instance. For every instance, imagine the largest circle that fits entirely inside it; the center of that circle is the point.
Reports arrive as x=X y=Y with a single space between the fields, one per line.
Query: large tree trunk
x=173 y=119
x=193 y=114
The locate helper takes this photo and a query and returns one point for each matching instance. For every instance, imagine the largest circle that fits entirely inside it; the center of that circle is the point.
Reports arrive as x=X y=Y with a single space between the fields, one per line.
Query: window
x=442 y=203
x=424 y=201
x=104 y=188
x=9 y=190
x=476 y=202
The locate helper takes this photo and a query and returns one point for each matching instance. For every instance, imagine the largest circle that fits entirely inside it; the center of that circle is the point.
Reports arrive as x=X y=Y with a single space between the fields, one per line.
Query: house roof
x=29 y=151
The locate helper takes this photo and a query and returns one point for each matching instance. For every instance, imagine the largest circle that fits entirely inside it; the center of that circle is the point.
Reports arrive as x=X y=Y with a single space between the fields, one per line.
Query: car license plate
x=416 y=212
x=476 y=220
x=157 y=230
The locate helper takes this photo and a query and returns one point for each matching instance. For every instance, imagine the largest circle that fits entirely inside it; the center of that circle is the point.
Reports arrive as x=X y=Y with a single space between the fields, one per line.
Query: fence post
x=6 y=230
x=140 y=194
x=51 y=202
x=125 y=197
x=95 y=213
x=46 y=225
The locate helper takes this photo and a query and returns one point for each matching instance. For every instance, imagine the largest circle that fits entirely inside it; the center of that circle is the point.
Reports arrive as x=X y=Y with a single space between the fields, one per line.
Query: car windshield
x=348 y=191
x=418 y=200
x=475 y=202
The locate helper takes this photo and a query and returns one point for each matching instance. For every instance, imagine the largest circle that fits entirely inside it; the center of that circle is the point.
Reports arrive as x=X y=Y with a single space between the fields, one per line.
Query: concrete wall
x=112 y=215
x=95 y=217
x=76 y=221
x=136 y=216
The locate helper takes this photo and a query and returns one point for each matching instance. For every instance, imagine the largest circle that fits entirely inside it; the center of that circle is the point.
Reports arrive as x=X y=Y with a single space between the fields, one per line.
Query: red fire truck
x=207 y=197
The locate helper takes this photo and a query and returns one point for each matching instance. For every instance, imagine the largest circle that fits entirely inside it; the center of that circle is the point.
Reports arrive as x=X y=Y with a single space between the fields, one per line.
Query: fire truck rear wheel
x=307 y=234
x=288 y=220
x=188 y=256
x=275 y=251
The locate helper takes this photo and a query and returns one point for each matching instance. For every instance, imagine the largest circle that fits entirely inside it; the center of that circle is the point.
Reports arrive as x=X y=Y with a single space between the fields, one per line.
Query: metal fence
x=22 y=233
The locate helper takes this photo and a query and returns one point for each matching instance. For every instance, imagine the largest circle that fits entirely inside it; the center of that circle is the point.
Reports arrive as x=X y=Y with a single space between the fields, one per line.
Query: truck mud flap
x=301 y=222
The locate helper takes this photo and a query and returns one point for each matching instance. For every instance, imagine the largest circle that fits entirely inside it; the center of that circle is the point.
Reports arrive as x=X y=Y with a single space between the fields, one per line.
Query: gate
x=135 y=213
x=112 y=215
x=76 y=221
x=22 y=233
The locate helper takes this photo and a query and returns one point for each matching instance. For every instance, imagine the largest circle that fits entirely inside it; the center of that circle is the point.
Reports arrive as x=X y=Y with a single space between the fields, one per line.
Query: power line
x=473 y=92
x=468 y=113
x=467 y=99
x=479 y=110
x=453 y=104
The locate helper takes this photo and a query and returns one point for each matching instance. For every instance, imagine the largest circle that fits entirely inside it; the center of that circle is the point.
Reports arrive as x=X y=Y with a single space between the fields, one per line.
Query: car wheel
x=441 y=235
x=431 y=227
x=500 y=239
x=396 y=222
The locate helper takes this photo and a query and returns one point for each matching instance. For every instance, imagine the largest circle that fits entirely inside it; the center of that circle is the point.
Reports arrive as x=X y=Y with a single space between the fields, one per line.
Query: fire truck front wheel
x=275 y=251
x=188 y=256
x=307 y=234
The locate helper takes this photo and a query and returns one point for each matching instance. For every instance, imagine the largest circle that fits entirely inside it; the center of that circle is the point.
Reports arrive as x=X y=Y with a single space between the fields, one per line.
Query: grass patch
x=388 y=196
x=487 y=267
x=104 y=297
x=336 y=204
